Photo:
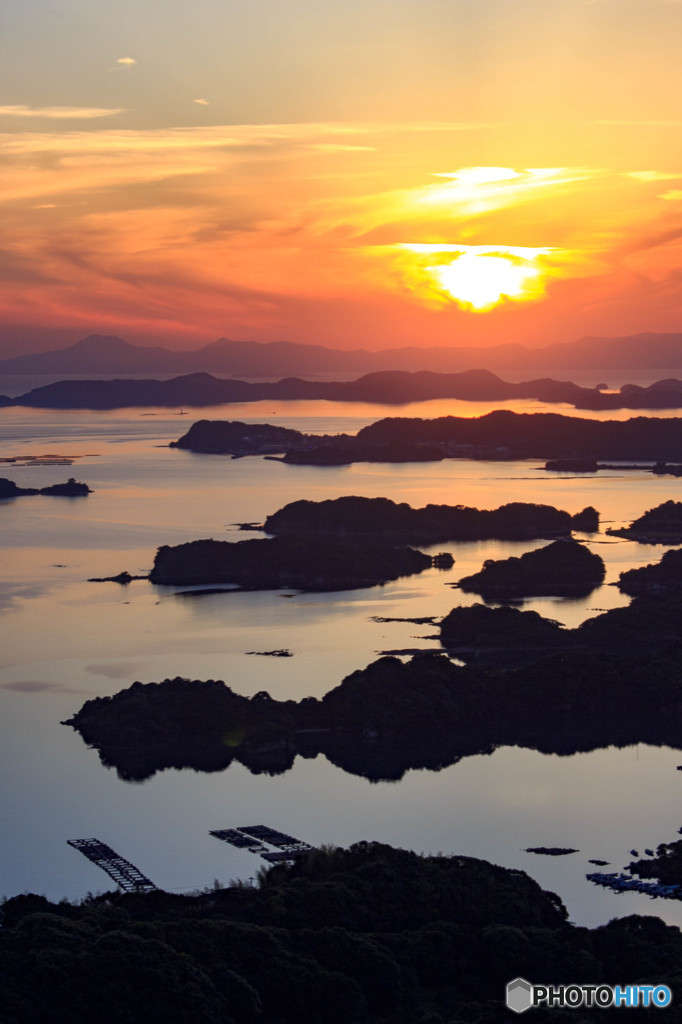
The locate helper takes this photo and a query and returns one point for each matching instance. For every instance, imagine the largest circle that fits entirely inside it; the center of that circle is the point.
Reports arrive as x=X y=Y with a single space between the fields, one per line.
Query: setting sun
x=477 y=277
x=481 y=282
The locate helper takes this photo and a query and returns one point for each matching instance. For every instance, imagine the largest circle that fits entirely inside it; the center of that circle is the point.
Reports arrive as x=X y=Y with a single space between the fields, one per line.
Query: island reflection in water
x=83 y=640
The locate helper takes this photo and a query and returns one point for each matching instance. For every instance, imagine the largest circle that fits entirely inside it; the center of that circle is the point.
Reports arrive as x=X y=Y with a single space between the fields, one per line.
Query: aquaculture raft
x=255 y=837
x=121 y=870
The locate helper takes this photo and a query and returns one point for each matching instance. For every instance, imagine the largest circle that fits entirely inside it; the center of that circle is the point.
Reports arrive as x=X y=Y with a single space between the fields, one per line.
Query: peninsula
x=660 y=525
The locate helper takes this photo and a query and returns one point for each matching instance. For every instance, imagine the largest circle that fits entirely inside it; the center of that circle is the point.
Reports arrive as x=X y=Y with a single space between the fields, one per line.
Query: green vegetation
x=368 y=935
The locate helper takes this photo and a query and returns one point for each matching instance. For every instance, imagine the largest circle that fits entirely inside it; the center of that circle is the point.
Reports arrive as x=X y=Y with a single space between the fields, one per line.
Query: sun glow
x=478 y=278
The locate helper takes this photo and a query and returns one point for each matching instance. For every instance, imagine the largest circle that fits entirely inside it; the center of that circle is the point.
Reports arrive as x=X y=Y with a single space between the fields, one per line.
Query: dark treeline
x=369 y=935
x=659 y=525
x=481 y=629
x=359 y=517
x=617 y=682
x=562 y=568
x=303 y=563
x=538 y=435
x=497 y=435
x=657 y=578
x=71 y=489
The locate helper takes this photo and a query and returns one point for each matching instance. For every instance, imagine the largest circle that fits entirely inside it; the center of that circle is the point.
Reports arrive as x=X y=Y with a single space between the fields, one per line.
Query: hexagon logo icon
x=519 y=995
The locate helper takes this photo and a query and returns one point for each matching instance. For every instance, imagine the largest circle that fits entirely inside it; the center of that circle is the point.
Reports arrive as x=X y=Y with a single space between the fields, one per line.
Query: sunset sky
x=361 y=174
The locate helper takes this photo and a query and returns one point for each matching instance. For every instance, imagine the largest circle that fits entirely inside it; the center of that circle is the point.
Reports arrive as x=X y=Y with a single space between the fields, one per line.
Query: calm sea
x=65 y=640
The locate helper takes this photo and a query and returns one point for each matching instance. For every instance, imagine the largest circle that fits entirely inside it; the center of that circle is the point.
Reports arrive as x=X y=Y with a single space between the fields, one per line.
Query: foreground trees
x=368 y=935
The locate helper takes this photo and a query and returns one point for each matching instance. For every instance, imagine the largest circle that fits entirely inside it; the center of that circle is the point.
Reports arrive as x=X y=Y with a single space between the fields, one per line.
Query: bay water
x=65 y=640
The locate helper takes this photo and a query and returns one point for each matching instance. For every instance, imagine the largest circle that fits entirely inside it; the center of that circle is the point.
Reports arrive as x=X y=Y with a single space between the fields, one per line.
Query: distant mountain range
x=390 y=387
x=110 y=355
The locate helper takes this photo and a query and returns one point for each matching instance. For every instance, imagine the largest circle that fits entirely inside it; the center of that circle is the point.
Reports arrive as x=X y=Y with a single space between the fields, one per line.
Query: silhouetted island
x=124 y=578
x=71 y=489
x=562 y=568
x=619 y=686
x=667 y=469
x=232 y=437
x=388 y=387
x=497 y=435
x=551 y=851
x=660 y=525
x=656 y=578
x=477 y=627
x=572 y=465
x=360 y=517
x=304 y=563
x=505 y=435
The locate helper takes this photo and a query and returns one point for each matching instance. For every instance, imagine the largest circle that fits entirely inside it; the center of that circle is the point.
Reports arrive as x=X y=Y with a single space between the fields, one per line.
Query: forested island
x=563 y=568
x=499 y=435
x=476 y=628
x=349 y=543
x=616 y=682
x=71 y=489
x=359 y=517
x=506 y=434
x=657 y=578
x=660 y=525
x=315 y=564
x=367 y=935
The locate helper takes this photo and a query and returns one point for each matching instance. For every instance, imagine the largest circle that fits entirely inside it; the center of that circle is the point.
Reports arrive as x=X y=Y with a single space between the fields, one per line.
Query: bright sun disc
x=476 y=277
x=481 y=281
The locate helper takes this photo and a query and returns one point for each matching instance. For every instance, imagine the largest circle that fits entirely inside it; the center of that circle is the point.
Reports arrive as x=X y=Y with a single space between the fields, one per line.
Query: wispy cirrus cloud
x=655 y=175
x=60 y=113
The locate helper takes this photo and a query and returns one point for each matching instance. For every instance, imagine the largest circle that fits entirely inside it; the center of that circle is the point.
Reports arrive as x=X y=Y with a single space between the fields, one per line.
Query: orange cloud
x=59 y=113
x=289 y=230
